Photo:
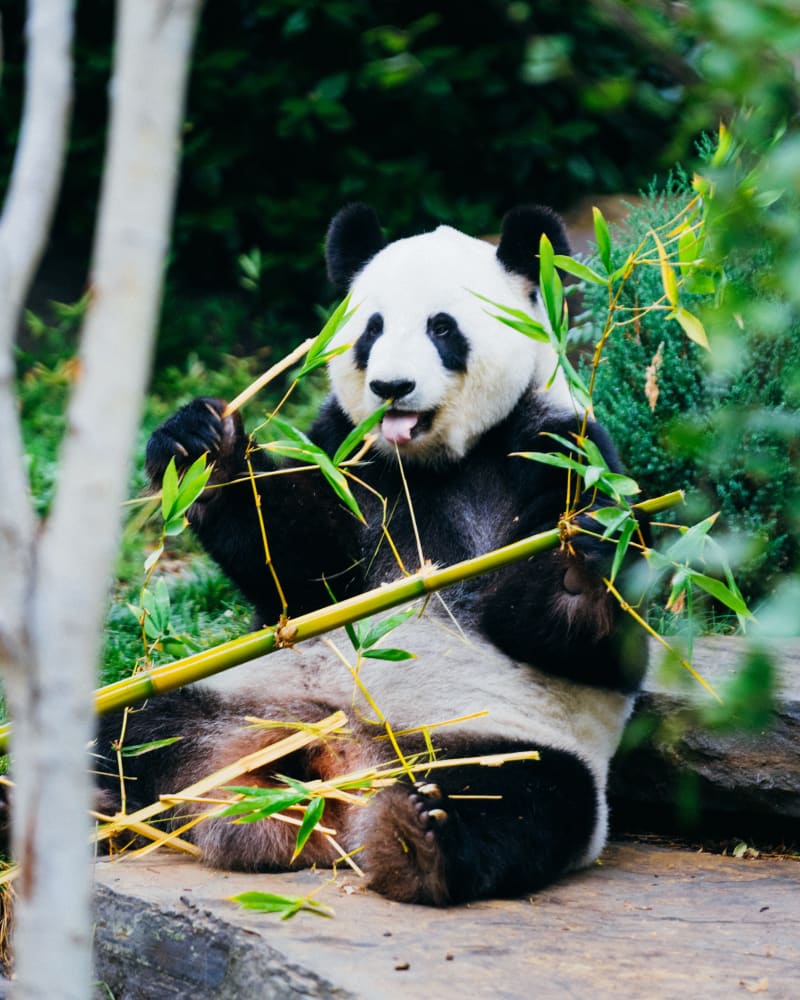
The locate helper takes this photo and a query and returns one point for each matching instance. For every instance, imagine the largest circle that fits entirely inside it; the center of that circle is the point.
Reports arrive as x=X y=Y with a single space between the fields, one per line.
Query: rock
x=730 y=775
x=647 y=922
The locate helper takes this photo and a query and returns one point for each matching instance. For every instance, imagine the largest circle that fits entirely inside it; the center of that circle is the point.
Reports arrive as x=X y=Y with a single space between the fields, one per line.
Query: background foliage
x=451 y=112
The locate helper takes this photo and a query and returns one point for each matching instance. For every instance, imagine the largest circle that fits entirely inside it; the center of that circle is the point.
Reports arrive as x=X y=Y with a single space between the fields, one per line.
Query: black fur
x=518 y=250
x=354 y=237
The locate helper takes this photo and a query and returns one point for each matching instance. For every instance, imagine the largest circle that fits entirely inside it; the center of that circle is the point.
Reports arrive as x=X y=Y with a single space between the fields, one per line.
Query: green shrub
x=451 y=114
x=723 y=426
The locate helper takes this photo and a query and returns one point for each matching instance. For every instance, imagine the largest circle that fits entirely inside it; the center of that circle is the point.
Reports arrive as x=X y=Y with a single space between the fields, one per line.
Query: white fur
x=410 y=281
x=453 y=675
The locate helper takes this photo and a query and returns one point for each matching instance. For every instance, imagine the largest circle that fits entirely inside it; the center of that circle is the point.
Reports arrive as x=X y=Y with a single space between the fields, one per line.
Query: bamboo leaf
x=550 y=285
x=395 y=655
x=689 y=249
x=579 y=270
x=287 y=906
x=375 y=632
x=323 y=359
x=340 y=315
x=260 y=803
x=620 y=485
x=611 y=518
x=668 y=279
x=623 y=542
x=153 y=558
x=137 y=749
x=602 y=238
x=169 y=489
x=518 y=320
x=311 y=817
x=692 y=326
x=192 y=484
x=532 y=329
x=718 y=590
x=357 y=434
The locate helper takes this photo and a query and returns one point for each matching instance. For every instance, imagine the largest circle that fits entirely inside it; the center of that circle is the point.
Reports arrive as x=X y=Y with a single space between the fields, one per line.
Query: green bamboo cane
x=196 y=667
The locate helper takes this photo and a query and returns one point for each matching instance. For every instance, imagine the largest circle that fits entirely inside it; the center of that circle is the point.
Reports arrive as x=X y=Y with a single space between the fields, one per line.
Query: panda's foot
x=403 y=851
x=429 y=802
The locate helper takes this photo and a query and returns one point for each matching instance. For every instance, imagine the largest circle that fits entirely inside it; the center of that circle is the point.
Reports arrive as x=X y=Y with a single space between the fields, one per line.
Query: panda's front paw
x=199 y=428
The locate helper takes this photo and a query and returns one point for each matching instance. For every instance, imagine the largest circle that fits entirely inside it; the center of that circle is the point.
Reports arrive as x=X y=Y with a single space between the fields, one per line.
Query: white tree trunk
x=53 y=667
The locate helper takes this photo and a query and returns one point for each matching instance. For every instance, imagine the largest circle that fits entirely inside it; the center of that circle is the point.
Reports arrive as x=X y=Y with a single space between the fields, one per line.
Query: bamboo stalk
x=266 y=377
x=198 y=666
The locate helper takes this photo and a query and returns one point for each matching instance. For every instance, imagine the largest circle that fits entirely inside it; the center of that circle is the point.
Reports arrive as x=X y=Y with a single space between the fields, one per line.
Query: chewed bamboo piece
x=232 y=771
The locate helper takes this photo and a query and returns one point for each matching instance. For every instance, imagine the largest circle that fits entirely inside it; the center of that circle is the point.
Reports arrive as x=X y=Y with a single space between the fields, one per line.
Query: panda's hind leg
x=474 y=831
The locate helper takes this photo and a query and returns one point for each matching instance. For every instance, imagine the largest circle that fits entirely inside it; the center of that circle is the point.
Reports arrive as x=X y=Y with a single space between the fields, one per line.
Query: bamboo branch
x=264 y=379
x=198 y=666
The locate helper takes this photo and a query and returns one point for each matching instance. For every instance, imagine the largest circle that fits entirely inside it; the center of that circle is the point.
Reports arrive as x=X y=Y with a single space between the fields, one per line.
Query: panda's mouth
x=401 y=426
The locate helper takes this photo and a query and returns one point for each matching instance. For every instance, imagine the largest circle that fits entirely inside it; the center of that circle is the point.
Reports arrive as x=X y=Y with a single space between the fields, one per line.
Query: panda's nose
x=392 y=390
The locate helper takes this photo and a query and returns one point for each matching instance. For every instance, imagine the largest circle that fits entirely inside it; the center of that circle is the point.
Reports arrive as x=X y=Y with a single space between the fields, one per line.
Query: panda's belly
x=452 y=677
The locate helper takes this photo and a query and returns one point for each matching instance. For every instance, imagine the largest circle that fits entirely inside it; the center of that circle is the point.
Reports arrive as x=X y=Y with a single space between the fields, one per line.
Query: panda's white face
x=424 y=342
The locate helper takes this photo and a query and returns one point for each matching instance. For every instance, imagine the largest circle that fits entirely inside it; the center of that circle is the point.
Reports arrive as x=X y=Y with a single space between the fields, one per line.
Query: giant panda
x=536 y=656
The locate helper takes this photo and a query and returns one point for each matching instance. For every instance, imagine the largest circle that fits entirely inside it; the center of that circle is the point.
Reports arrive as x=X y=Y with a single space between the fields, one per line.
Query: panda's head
x=423 y=340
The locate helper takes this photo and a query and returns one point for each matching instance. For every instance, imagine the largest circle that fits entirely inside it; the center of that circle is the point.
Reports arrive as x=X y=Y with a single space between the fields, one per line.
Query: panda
x=532 y=657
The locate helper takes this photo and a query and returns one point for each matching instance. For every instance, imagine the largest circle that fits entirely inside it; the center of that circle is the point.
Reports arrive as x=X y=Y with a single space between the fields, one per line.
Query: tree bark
x=50 y=633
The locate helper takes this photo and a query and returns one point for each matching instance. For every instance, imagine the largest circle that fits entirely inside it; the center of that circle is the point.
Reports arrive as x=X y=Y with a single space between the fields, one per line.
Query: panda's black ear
x=521 y=231
x=354 y=237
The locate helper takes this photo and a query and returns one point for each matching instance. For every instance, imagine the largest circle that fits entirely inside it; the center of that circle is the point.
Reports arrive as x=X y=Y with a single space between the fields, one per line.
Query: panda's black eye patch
x=449 y=341
x=363 y=345
x=441 y=325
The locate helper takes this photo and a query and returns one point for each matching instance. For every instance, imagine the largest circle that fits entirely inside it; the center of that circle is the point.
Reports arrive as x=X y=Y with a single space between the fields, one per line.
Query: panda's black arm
x=311 y=537
x=554 y=611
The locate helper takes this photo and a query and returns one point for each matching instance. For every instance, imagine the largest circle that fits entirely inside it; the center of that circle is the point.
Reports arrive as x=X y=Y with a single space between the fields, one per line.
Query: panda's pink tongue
x=397 y=427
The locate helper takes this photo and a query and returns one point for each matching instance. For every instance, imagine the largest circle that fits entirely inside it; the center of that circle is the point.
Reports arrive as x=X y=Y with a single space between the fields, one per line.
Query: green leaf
x=260 y=803
x=336 y=321
x=192 y=483
x=612 y=518
x=518 y=320
x=153 y=558
x=323 y=359
x=548 y=458
x=623 y=542
x=177 y=498
x=668 y=279
x=579 y=270
x=169 y=489
x=395 y=655
x=375 y=632
x=692 y=326
x=531 y=329
x=691 y=542
x=137 y=749
x=287 y=906
x=357 y=435
x=720 y=592
x=622 y=486
x=311 y=817
x=602 y=238
x=550 y=285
